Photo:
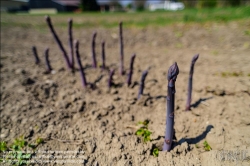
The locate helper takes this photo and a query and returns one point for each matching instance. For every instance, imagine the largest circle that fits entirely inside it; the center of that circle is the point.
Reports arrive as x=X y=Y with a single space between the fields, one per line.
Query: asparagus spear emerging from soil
x=37 y=60
x=84 y=82
x=58 y=41
x=190 y=82
x=131 y=69
x=103 y=55
x=93 y=50
x=121 y=50
x=71 y=44
x=110 y=80
x=172 y=76
x=143 y=77
x=48 y=66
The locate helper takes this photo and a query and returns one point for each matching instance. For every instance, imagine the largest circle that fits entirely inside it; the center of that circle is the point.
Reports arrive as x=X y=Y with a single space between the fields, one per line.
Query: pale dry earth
x=102 y=123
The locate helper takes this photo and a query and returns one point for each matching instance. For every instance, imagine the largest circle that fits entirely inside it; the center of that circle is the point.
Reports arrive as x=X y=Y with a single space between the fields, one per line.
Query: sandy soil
x=101 y=124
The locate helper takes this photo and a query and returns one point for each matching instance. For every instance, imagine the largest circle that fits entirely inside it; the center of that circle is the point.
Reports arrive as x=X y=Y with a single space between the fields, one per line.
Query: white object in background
x=167 y=5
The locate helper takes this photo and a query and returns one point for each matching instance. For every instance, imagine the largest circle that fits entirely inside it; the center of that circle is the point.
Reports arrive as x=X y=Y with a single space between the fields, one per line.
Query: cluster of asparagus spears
x=70 y=59
x=172 y=73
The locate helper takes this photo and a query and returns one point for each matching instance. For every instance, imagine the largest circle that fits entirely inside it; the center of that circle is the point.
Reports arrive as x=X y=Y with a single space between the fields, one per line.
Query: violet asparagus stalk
x=172 y=76
x=93 y=50
x=48 y=20
x=121 y=50
x=37 y=60
x=84 y=82
x=131 y=69
x=48 y=66
x=190 y=82
x=71 y=44
x=110 y=80
x=142 y=83
x=103 y=55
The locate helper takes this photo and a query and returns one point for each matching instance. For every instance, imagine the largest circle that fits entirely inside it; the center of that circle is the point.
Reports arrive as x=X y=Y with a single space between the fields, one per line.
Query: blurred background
x=37 y=6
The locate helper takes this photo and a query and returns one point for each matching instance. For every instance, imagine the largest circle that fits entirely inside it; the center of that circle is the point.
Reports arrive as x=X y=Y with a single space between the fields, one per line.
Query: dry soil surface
x=97 y=126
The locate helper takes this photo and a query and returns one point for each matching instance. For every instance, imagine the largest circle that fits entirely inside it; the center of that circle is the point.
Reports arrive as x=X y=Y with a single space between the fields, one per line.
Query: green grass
x=143 y=131
x=19 y=152
x=206 y=146
x=137 y=19
x=156 y=152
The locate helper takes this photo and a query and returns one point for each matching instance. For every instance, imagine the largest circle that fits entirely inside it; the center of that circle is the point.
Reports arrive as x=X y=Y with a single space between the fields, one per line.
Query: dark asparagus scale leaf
x=48 y=66
x=48 y=20
x=84 y=82
x=110 y=80
x=142 y=83
x=172 y=76
x=71 y=43
x=121 y=50
x=131 y=68
x=190 y=82
x=93 y=50
x=37 y=60
x=103 y=55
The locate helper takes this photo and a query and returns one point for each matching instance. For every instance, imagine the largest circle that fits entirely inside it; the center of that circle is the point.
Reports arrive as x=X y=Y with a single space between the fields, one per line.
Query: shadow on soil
x=198 y=138
x=197 y=103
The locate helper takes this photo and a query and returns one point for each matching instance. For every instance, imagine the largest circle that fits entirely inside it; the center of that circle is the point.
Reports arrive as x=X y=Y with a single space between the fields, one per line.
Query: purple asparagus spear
x=93 y=50
x=143 y=77
x=48 y=20
x=71 y=44
x=172 y=76
x=110 y=80
x=190 y=82
x=48 y=66
x=103 y=55
x=37 y=60
x=84 y=82
x=121 y=50
x=131 y=69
